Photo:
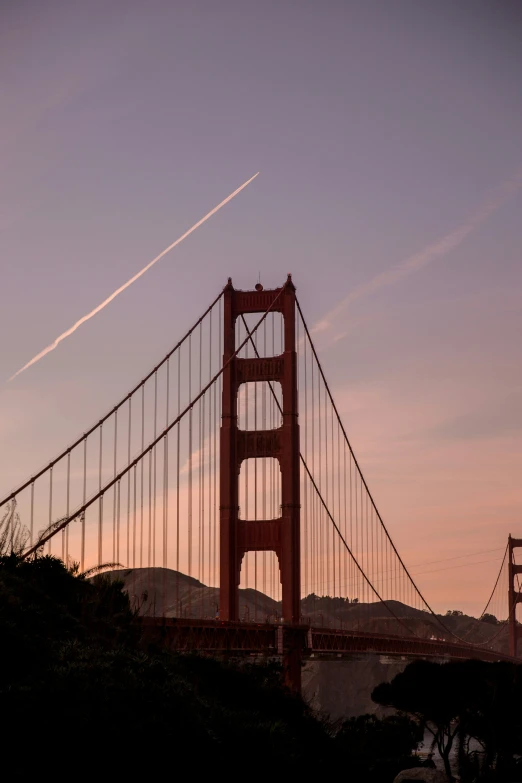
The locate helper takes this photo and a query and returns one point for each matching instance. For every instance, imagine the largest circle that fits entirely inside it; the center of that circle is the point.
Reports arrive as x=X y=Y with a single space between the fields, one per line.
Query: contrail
x=132 y=280
x=440 y=248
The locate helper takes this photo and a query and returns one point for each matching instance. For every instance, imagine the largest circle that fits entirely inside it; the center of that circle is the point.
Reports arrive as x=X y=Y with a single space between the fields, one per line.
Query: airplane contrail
x=441 y=247
x=109 y=299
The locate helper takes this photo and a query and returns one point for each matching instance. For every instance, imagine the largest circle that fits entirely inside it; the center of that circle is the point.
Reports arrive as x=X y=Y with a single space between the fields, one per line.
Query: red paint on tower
x=281 y=535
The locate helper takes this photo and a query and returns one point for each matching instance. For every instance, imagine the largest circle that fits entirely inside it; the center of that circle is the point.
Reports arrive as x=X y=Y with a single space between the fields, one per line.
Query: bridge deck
x=214 y=636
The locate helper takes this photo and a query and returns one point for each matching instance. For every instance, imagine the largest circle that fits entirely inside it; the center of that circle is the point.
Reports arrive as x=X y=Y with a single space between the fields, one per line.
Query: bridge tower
x=514 y=597
x=239 y=536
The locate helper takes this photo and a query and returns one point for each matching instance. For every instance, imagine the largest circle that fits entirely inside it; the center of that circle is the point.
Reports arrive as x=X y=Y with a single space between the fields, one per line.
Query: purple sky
x=382 y=130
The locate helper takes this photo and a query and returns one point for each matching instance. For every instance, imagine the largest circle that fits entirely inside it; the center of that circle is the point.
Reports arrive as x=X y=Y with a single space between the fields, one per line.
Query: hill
x=169 y=593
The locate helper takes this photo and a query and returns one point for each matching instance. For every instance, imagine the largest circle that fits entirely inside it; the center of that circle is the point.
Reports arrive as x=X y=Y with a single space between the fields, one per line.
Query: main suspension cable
x=113 y=410
x=86 y=504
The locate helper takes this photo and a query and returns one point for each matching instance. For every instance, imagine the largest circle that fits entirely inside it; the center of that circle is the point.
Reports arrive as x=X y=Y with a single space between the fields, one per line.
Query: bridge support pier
x=292 y=669
x=293 y=658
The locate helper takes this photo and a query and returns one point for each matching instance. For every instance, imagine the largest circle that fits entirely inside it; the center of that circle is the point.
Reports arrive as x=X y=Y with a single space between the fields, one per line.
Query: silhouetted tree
x=78 y=679
x=13 y=535
x=489 y=618
x=378 y=749
x=460 y=701
x=433 y=696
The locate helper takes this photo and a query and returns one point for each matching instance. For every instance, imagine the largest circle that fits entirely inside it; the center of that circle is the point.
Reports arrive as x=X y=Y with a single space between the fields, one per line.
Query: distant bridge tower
x=282 y=535
x=514 y=597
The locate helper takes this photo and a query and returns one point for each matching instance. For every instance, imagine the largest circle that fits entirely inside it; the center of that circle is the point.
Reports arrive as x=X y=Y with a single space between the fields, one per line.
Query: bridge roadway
x=237 y=639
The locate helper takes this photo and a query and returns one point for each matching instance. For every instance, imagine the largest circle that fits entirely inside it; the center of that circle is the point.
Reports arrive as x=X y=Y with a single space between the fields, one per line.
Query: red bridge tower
x=514 y=596
x=238 y=536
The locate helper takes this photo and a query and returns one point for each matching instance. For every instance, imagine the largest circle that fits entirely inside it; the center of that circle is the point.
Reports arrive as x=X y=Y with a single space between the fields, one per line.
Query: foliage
x=423 y=690
x=489 y=618
x=88 y=696
x=463 y=701
x=454 y=613
x=84 y=692
x=378 y=749
x=313 y=601
x=13 y=535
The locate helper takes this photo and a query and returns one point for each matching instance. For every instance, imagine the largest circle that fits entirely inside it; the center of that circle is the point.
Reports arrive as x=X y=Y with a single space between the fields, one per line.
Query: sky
x=387 y=137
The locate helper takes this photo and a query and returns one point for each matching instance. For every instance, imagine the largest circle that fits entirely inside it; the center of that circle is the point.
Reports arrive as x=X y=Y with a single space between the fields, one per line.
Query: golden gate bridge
x=225 y=485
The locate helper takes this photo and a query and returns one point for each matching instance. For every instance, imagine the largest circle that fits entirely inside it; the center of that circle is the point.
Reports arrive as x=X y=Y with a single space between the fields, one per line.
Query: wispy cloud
x=132 y=280
x=438 y=249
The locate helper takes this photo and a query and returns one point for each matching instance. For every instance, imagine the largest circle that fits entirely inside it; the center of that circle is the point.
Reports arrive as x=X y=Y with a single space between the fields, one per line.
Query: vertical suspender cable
x=129 y=484
x=142 y=466
x=198 y=410
x=165 y=489
x=31 y=523
x=216 y=432
x=114 y=546
x=118 y=509
x=67 y=508
x=50 y=504
x=100 y=508
x=305 y=483
x=149 y=537
x=201 y=410
x=134 y=479
x=178 y=446
x=314 y=553
x=152 y=596
x=320 y=553
x=346 y=570
x=134 y=523
x=154 y=488
x=209 y=502
x=333 y=505
x=82 y=548
x=339 y=506
x=190 y=480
